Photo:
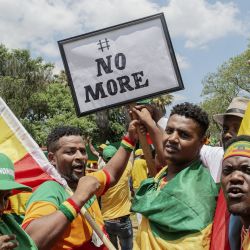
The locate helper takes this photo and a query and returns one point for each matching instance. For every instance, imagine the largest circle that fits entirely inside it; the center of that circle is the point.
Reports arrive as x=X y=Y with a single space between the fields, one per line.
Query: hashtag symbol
x=103 y=44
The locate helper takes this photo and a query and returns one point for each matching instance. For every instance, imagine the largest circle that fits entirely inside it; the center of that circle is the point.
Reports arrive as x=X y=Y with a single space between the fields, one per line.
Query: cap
x=237 y=107
x=139 y=152
x=109 y=152
x=102 y=146
x=7 y=175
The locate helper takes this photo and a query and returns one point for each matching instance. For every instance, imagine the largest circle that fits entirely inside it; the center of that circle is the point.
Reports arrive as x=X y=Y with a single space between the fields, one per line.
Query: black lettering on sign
x=124 y=83
x=112 y=87
x=99 y=91
x=106 y=66
x=138 y=79
x=120 y=63
x=120 y=58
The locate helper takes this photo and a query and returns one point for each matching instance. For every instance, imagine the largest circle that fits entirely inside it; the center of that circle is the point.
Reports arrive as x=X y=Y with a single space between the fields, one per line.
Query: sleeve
x=104 y=179
x=37 y=210
x=212 y=159
x=42 y=202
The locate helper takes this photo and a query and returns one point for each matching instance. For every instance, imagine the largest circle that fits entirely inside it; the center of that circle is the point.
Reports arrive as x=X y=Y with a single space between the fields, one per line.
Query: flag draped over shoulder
x=179 y=215
x=222 y=238
x=31 y=165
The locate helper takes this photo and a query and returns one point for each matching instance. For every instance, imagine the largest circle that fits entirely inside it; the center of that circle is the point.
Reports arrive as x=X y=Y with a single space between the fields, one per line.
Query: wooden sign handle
x=94 y=225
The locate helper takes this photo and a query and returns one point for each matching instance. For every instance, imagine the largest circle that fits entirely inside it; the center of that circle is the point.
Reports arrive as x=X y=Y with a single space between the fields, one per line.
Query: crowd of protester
x=199 y=198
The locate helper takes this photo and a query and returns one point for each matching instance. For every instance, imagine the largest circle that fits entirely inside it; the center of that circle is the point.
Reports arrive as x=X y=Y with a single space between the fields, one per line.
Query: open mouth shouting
x=235 y=192
x=78 y=169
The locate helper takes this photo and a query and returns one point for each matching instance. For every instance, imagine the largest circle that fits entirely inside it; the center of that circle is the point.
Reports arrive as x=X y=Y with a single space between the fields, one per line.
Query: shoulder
x=50 y=191
x=212 y=159
x=212 y=151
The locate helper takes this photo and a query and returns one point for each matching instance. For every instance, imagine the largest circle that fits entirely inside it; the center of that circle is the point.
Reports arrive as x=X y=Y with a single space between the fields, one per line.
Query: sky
x=204 y=33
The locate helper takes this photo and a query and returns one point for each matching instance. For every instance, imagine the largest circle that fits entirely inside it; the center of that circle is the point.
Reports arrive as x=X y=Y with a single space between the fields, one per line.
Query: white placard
x=120 y=64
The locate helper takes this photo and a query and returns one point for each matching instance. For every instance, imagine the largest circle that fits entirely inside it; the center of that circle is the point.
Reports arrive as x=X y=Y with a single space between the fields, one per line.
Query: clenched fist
x=86 y=188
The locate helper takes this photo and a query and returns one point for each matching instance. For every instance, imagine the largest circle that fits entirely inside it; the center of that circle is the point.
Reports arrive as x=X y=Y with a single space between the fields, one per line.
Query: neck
x=72 y=184
x=174 y=168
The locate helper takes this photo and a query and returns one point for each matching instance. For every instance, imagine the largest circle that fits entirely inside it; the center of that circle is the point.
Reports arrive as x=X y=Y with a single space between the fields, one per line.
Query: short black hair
x=190 y=110
x=59 y=132
x=235 y=139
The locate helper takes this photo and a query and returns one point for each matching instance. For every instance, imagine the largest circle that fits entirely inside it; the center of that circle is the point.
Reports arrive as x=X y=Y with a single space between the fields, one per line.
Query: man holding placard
x=178 y=204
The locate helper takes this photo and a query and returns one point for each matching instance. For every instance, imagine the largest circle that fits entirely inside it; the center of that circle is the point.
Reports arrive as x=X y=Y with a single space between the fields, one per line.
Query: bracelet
x=127 y=144
x=76 y=207
x=68 y=210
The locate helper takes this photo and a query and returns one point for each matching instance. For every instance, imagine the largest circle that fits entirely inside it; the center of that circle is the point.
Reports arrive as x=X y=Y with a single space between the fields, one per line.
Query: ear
x=51 y=157
x=203 y=140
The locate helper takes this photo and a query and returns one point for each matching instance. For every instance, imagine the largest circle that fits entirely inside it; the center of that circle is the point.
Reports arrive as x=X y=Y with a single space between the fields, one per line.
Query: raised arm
x=119 y=161
x=92 y=148
x=45 y=230
x=156 y=133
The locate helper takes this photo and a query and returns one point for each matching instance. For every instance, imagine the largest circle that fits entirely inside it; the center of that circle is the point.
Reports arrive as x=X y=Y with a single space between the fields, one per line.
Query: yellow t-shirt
x=139 y=172
x=116 y=202
x=78 y=232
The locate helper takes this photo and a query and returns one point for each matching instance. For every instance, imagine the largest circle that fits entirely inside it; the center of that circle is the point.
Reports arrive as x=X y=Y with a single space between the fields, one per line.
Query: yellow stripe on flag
x=145 y=239
x=8 y=142
x=245 y=124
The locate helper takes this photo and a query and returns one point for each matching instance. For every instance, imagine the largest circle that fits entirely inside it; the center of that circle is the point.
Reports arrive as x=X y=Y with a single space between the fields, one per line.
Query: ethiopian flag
x=31 y=165
x=177 y=214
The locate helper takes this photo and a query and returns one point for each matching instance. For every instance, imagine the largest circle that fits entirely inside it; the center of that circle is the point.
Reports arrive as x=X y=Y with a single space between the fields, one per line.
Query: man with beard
x=235 y=180
x=178 y=204
x=52 y=217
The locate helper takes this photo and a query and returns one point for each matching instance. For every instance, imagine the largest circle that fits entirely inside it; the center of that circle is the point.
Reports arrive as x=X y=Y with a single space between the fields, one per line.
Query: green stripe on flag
x=185 y=205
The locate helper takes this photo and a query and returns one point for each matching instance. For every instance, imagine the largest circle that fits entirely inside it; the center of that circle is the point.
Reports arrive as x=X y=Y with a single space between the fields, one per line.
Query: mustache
x=172 y=145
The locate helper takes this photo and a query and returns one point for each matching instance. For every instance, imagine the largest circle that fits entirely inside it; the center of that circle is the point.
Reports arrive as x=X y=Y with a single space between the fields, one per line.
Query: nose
x=236 y=178
x=80 y=156
x=173 y=137
x=230 y=133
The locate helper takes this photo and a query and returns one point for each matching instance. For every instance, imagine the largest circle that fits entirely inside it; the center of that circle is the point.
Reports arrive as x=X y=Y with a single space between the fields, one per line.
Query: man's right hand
x=8 y=242
x=86 y=188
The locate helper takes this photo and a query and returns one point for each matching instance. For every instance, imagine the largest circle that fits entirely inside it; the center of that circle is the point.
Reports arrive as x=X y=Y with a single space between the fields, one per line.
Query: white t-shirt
x=212 y=158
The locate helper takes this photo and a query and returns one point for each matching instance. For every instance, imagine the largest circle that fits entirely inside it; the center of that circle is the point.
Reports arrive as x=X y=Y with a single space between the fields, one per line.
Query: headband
x=239 y=148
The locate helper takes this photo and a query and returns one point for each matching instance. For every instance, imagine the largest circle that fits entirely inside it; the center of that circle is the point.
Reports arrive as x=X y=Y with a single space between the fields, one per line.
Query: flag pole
x=94 y=225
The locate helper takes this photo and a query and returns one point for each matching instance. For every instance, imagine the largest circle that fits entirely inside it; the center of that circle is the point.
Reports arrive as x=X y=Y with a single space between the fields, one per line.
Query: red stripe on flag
x=28 y=172
x=220 y=239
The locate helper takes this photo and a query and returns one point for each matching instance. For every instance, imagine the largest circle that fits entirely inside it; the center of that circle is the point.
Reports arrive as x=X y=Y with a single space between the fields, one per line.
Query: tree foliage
x=57 y=109
x=231 y=79
x=21 y=77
